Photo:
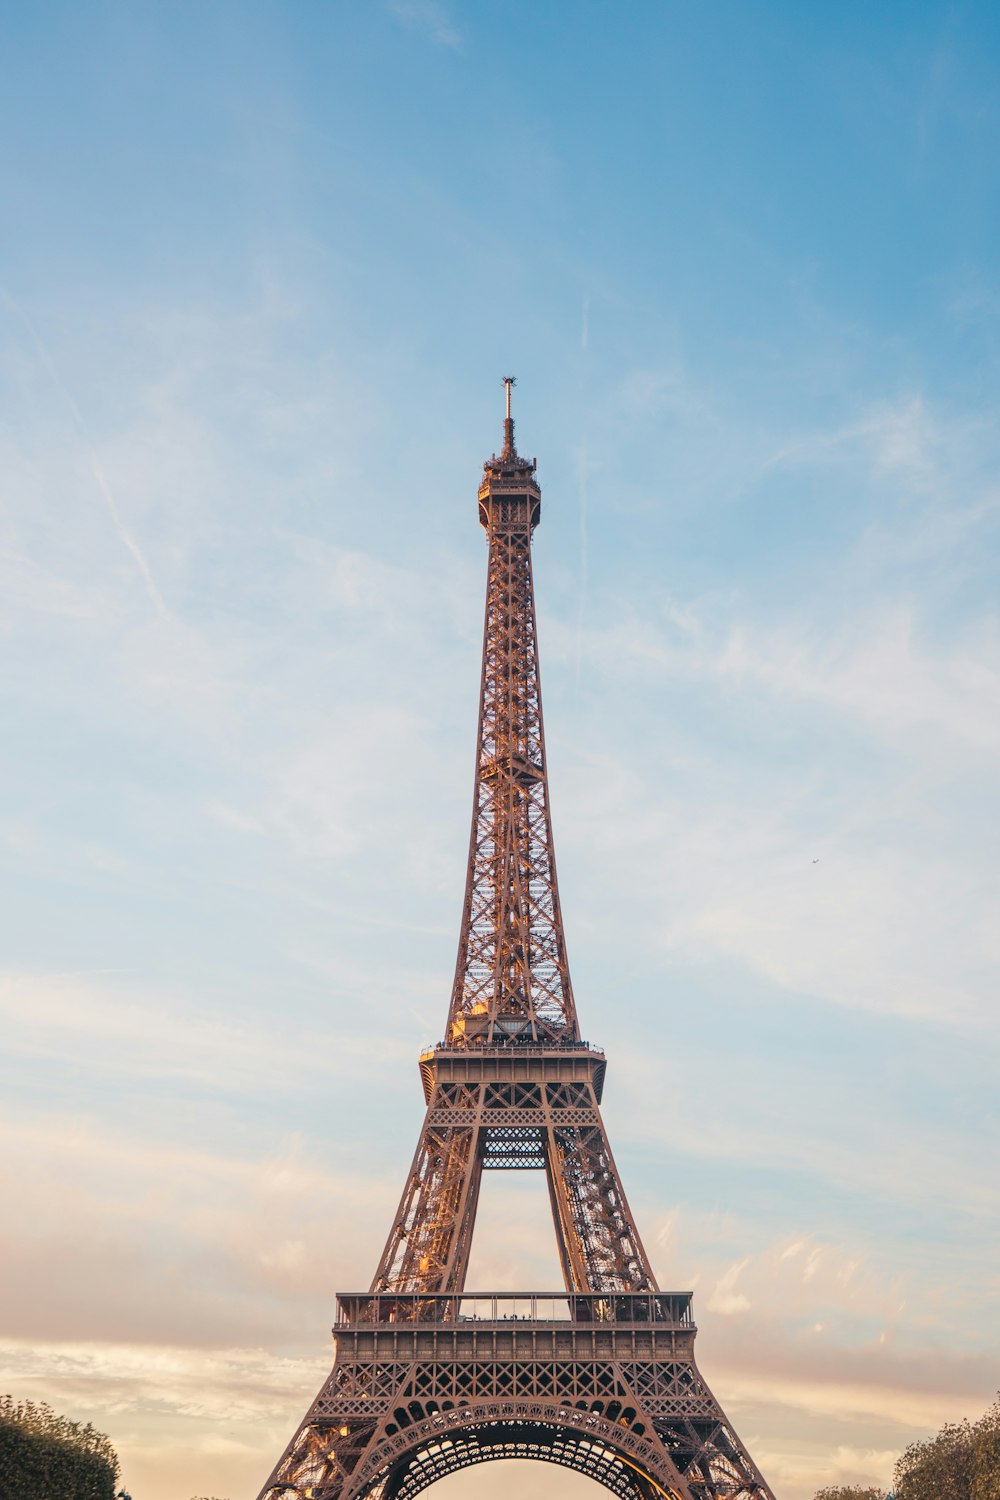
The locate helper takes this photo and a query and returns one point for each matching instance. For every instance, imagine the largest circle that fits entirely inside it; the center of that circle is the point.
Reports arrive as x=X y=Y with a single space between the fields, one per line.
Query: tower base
x=602 y=1383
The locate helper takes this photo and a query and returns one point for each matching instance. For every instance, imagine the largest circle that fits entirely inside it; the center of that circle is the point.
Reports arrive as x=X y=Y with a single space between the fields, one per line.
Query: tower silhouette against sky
x=429 y=1378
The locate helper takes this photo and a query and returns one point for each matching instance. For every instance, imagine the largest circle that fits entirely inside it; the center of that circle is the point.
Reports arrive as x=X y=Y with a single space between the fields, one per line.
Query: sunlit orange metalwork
x=429 y=1378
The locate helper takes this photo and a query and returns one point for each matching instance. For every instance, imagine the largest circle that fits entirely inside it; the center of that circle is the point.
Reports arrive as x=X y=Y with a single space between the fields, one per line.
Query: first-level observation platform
x=514 y=1332
x=540 y=1309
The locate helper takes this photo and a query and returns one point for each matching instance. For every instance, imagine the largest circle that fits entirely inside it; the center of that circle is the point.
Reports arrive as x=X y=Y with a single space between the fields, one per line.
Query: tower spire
x=509 y=450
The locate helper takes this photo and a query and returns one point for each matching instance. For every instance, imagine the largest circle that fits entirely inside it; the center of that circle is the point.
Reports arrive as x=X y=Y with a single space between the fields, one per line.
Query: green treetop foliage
x=986 y=1456
x=961 y=1463
x=42 y=1454
x=850 y=1492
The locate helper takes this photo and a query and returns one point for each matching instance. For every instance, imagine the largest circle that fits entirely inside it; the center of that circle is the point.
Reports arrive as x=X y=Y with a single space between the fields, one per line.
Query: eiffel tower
x=430 y=1378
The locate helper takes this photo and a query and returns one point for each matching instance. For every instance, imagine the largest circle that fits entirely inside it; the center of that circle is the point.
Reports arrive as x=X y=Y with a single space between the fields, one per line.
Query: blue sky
x=262 y=267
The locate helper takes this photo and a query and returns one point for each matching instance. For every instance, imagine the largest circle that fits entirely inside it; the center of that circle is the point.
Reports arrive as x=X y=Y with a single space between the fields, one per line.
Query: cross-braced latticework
x=512 y=978
x=601 y=1378
x=512 y=1105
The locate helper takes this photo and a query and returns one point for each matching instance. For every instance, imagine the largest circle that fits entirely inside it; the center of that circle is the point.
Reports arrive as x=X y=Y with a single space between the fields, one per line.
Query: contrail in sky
x=126 y=538
x=584 y=578
x=582 y=604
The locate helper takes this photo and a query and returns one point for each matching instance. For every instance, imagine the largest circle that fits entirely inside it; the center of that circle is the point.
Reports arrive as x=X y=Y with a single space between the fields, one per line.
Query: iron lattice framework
x=428 y=1378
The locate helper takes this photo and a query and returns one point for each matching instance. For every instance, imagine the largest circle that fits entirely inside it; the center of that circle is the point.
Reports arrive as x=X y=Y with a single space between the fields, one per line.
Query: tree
x=961 y=1463
x=45 y=1454
x=986 y=1455
x=850 y=1492
x=939 y=1468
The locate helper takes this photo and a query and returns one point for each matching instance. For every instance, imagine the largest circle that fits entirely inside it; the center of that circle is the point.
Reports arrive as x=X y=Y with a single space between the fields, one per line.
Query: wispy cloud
x=725 y=1298
x=186 y=1243
x=430 y=18
x=123 y=532
x=174 y=1411
x=117 y=1027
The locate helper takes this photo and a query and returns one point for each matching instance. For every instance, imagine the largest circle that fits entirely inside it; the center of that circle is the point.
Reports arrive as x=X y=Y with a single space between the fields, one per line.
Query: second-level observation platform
x=513 y=1062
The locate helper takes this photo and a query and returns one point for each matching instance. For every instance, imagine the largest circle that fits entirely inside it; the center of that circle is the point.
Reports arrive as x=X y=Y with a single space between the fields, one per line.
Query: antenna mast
x=509 y=450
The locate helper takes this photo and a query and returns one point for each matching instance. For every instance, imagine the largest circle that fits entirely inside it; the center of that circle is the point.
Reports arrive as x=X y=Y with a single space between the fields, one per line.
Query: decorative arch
x=607 y=1450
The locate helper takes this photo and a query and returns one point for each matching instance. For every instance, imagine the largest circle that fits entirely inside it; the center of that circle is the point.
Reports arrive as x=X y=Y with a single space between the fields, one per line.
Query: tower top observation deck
x=509 y=493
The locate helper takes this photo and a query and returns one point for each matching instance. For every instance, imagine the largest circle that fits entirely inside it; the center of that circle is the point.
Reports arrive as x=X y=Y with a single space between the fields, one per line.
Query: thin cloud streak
x=430 y=18
x=123 y=533
x=137 y=1034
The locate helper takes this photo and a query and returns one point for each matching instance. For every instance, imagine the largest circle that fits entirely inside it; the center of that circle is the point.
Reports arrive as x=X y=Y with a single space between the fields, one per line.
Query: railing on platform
x=665 y=1309
x=510 y=1046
